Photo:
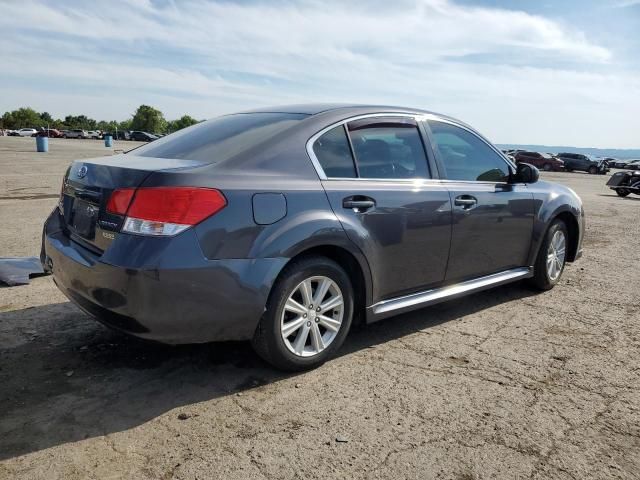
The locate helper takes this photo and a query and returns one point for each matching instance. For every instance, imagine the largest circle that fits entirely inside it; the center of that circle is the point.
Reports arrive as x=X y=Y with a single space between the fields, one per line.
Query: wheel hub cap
x=312 y=316
x=556 y=255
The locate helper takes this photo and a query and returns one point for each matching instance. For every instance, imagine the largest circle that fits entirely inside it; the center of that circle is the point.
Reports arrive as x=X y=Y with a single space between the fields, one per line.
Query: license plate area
x=84 y=218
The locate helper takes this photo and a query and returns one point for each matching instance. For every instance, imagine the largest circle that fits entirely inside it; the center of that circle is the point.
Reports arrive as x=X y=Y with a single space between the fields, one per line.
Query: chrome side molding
x=394 y=306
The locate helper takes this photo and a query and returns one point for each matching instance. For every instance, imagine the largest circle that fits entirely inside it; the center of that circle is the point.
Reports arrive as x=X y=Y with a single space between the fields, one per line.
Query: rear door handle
x=359 y=203
x=467 y=202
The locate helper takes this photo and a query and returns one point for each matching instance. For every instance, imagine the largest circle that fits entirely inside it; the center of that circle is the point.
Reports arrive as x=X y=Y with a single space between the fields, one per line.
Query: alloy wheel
x=312 y=316
x=556 y=255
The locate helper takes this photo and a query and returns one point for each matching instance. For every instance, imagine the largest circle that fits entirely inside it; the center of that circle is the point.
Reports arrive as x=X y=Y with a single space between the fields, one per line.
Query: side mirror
x=526 y=173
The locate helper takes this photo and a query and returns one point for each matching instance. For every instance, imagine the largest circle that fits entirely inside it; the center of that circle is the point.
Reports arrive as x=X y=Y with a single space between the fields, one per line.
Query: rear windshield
x=221 y=138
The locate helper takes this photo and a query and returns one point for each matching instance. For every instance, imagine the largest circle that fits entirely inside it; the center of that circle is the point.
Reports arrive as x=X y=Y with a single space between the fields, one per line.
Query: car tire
x=283 y=351
x=593 y=170
x=547 y=167
x=622 y=192
x=569 y=170
x=545 y=275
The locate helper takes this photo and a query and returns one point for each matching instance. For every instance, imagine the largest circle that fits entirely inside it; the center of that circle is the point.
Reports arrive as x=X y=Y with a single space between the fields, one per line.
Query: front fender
x=553 y=200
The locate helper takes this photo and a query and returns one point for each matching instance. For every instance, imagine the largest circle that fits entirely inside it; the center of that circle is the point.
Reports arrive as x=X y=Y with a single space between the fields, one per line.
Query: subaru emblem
x=82 y=172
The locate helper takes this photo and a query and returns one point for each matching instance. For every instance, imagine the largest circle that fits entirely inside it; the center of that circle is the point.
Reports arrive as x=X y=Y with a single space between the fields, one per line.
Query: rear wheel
x=308 y=315
x=551 y=257
x=622 y=192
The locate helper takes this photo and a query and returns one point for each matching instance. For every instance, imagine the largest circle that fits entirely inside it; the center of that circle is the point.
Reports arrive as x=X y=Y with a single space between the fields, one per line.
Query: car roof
x=348 y=109
x=316 y=108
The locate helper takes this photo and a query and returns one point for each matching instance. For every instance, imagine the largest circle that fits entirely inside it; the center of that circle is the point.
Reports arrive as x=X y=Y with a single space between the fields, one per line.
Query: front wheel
x=593 y=170
x=308 y=315
x=551 y=257
x=546 y=167
x=622 y=192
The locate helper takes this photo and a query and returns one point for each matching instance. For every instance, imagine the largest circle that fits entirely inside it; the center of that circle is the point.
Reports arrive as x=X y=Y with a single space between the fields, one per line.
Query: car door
x=376 y=173
x=492 y=218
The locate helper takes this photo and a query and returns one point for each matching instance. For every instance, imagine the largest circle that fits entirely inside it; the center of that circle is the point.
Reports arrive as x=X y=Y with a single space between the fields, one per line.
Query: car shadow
x=65 y=378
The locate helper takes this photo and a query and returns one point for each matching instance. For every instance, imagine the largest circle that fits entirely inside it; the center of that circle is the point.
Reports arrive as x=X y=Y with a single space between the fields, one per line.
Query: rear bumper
x=183 y=298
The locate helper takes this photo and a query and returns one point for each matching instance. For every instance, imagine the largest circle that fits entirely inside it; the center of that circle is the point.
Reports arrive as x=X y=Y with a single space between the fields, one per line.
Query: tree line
x=145 y=118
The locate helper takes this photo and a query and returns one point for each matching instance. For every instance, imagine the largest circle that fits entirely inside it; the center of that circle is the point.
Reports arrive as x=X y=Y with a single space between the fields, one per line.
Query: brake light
x=119 y=201
x=164 y=210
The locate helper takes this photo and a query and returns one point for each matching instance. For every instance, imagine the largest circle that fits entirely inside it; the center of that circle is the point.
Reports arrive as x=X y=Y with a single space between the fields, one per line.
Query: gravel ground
x=506 y=383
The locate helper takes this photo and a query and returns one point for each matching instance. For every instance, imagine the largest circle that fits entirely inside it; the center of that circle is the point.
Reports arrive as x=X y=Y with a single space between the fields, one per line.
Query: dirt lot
x=503 y=384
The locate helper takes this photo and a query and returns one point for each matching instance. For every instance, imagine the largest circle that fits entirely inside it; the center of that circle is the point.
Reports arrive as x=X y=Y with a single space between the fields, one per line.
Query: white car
x=26 y=132
x=76 y=133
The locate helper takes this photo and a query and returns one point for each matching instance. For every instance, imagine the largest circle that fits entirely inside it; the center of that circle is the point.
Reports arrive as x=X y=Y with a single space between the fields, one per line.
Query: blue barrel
x=42 y=144
x=108 y=141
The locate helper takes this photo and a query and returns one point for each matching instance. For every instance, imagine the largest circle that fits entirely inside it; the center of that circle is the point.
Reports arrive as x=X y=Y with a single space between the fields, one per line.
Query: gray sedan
x=283 y=225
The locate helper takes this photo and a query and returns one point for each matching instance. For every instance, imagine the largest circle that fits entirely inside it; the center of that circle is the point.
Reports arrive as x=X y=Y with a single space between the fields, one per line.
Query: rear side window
x=389 y=151
x=333 y=152
x=467 y=157
x=222 y=138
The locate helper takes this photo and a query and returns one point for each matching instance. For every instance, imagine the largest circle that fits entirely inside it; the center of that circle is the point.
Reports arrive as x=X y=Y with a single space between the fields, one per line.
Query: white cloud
x=227 y=56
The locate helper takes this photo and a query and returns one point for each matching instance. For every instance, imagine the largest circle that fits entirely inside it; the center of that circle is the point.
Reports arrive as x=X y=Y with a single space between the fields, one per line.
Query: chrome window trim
x=316 y=162
x=418 y=117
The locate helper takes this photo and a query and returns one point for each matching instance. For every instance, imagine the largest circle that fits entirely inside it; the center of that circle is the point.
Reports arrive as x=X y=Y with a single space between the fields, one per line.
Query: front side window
x=333 y=152
x=465 y=156
x=386 y=150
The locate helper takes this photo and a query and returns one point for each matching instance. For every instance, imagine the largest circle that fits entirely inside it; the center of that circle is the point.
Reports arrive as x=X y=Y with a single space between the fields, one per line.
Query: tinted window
x=389 y=152
x=333 y=153
x=467 y=157
x=221 y=138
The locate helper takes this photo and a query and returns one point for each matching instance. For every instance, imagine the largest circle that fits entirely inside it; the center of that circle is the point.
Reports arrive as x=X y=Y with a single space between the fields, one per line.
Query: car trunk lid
x=88 y=185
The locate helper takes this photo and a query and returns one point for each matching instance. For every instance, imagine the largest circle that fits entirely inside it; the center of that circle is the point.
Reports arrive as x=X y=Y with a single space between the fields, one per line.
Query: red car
x=543 y=161
x=51 y=133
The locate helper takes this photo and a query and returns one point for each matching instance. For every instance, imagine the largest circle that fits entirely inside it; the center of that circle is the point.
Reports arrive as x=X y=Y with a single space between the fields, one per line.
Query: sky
x=564 y=72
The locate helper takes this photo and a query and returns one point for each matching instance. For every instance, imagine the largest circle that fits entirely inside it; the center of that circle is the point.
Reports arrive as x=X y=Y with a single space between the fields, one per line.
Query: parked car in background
x=633 y=165
x=348 y=211
x=625 y=183
x=621 y=163
x=25 y=132
x=94 y=134
x=119 y=135
x=76 y=133
x=142 y=136
x=611 y=162
x=578 y=161
x=51 y=133
x=543 y=161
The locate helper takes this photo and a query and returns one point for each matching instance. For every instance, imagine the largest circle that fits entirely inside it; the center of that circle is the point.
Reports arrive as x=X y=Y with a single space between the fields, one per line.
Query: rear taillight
x=164 y=210
x=119 y=201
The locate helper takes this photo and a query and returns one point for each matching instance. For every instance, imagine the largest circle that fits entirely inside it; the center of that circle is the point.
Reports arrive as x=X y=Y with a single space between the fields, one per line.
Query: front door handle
x=467 y=202
x=359 y=203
